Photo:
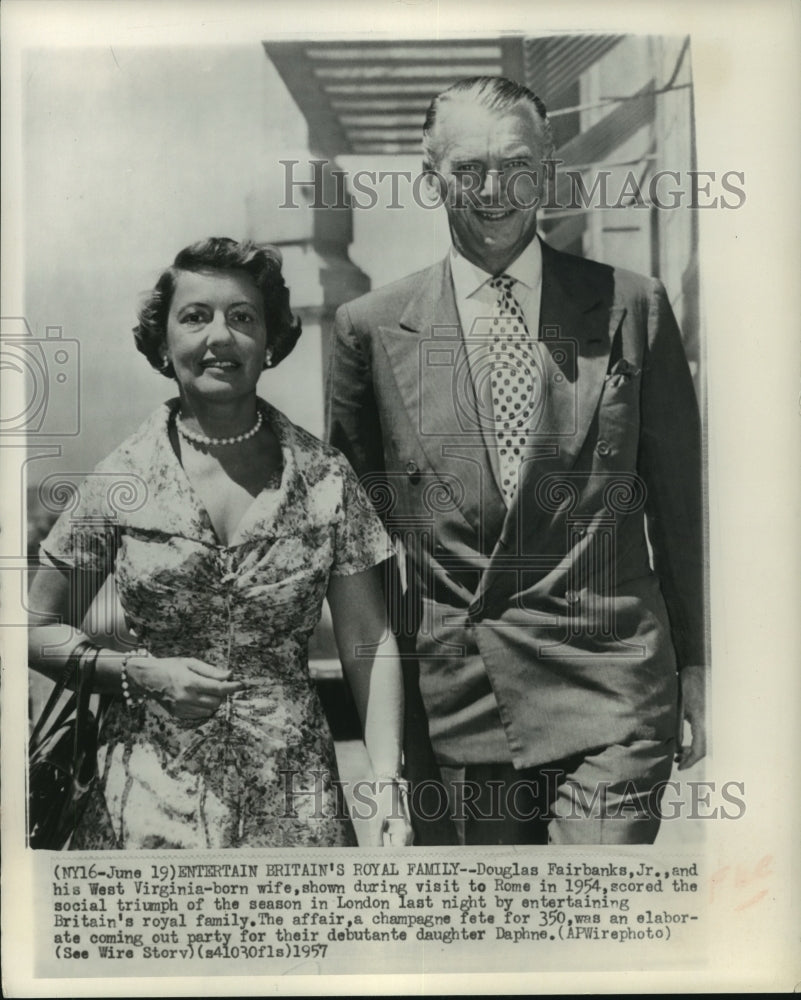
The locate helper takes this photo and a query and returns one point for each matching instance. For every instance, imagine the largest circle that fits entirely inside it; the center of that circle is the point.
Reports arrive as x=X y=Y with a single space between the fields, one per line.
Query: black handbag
x=62 y=755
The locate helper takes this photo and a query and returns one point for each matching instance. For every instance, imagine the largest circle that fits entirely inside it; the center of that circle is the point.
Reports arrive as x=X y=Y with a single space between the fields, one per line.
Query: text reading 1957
x=279 y=914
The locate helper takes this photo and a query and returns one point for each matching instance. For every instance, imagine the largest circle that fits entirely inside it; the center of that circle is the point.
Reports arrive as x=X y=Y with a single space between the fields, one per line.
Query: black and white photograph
x=395 y=423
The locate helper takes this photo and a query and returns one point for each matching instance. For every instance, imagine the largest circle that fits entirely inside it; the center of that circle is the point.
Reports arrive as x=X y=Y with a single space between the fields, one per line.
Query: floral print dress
x=261 y=771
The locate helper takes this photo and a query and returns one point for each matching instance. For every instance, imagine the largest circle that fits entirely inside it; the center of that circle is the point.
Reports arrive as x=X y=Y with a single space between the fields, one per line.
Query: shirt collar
x=468 y=278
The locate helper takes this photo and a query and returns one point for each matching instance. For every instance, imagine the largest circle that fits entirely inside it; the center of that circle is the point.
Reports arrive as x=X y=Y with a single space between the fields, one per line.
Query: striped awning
x=371 y=97
x=552 y=65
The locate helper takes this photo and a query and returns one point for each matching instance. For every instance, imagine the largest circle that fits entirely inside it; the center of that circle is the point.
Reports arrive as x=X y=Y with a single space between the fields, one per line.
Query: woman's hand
x=392 y=825
x=188 y=688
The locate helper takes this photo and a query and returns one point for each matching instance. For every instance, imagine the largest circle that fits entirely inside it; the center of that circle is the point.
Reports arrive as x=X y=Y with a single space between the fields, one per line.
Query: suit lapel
x=577 y=323
x=430 y=368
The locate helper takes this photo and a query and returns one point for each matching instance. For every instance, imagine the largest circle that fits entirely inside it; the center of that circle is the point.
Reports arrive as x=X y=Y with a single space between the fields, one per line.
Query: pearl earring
x=268 y=358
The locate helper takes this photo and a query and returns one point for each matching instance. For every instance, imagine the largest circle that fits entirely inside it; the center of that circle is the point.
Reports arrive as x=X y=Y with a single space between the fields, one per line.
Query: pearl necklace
x=210 y=442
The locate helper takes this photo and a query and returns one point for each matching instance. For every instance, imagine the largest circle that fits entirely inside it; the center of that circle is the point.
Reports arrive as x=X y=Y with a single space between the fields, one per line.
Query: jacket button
x=571 y=597
x=603 y=448
x=413 y=473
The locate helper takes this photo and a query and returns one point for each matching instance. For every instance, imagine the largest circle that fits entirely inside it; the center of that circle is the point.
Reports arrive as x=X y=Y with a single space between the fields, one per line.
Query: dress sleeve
x=86 y=534
x=360 y=538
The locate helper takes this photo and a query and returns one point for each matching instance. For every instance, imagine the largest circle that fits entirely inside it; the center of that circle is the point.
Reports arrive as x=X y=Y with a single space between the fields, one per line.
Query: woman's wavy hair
x=219 y=253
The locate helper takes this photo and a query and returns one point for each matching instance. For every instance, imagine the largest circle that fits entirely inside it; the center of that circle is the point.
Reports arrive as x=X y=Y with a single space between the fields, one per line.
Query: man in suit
x=526 y=423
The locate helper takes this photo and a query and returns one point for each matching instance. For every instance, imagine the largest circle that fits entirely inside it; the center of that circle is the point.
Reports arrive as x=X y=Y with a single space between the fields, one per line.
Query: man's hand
x=693 y=702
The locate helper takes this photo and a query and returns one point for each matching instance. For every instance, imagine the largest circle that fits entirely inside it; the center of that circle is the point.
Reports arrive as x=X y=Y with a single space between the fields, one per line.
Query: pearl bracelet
x=130 y=701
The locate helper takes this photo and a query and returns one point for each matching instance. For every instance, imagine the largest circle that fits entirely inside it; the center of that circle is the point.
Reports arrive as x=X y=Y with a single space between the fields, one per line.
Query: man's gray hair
x=496 y=93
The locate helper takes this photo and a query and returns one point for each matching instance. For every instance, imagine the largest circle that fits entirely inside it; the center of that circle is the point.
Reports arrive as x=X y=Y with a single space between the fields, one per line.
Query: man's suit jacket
x=553 y=605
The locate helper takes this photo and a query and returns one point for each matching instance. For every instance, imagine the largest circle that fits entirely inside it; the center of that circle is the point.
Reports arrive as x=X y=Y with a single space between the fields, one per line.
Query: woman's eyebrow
x=205 y=305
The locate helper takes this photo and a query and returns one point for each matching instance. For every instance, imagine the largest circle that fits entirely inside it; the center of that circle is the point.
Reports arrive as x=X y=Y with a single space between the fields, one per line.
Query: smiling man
x=489 y=169
x=527 y=425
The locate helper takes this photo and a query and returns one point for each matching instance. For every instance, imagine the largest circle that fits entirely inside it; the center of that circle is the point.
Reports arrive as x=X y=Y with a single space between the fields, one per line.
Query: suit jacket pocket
x=621 y=384
x=619 y=415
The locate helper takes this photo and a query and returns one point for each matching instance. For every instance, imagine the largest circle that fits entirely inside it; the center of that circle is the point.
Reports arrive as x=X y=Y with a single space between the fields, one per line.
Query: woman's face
x=216 y=335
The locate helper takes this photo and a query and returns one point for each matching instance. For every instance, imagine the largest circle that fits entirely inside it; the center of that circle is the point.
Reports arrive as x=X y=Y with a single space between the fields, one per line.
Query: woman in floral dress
x=225 y=526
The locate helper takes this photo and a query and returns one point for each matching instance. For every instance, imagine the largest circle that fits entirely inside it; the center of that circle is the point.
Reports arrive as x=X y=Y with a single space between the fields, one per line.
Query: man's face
x=491 y=164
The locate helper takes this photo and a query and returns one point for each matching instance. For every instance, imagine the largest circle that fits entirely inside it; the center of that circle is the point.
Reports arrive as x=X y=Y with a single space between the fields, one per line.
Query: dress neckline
x=265 y=504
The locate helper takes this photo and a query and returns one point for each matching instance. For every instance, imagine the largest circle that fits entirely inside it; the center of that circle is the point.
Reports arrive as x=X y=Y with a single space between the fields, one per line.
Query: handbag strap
x=83 y=689
x=70 y=670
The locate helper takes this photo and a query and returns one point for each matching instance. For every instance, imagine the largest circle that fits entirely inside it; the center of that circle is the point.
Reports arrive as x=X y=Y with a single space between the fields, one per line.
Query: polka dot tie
x=513 y=379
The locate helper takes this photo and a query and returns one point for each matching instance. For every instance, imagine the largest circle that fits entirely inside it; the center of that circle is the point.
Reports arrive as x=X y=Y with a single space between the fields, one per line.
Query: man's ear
x=547 y=176
x=436 y=187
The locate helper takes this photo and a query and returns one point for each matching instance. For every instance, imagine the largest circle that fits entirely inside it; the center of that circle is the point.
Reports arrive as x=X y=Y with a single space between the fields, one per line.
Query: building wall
x=619 y=235
x=658 y=241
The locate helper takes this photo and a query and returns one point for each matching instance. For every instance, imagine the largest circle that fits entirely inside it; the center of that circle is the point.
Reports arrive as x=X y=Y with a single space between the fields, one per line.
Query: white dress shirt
x=475 y=302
